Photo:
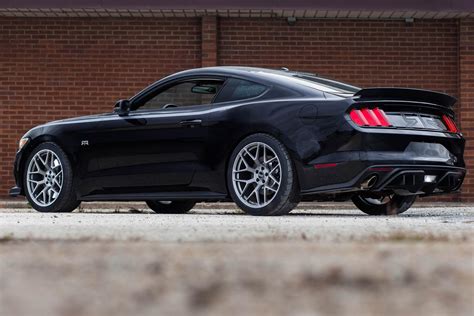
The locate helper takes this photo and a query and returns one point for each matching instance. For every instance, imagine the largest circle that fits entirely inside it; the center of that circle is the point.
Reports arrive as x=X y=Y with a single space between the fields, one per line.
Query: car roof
x=270 y=77
x=283 y=76
x=244 y=71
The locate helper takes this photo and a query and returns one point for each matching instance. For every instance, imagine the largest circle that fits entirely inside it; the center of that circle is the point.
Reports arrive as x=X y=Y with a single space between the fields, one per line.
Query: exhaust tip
x=369 y=182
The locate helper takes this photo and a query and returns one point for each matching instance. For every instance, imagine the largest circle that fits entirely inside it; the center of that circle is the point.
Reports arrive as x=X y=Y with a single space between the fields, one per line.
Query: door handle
x=191 y=123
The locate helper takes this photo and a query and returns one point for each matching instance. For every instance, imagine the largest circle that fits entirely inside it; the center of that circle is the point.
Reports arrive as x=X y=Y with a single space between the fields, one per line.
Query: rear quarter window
x=238 y=89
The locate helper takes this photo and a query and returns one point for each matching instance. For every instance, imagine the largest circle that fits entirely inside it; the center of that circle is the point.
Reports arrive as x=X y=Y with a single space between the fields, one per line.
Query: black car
x=265 y=139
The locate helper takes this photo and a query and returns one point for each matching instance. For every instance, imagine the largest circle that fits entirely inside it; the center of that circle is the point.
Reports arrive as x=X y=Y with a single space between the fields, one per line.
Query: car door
x=156 y=147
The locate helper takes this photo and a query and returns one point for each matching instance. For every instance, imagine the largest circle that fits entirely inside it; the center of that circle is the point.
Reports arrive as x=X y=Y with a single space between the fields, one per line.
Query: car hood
x=80 y=119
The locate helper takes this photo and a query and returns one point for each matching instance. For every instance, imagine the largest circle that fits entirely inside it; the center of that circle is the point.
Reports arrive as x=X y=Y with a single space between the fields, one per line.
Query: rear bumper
x=399 y=160
x=401 y=179
x=426 y=180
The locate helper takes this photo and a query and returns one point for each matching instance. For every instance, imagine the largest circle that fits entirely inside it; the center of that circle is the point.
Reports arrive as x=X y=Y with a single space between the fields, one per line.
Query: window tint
x=337 y=85
x=185 y=94
x=237 y=89
x=313 y=82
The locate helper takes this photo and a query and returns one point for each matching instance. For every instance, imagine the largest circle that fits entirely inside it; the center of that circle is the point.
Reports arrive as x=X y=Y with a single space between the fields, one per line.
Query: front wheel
x=390 y=204
x=261 y=177
x=171 y=207
x=48 y=180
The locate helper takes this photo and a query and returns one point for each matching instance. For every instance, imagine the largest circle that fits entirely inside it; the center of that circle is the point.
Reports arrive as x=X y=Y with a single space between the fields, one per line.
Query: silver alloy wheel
x=44 y=177
x=256 y=174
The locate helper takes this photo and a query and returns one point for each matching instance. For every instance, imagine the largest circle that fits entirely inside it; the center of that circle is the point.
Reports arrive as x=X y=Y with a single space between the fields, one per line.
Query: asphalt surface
x=217 y=261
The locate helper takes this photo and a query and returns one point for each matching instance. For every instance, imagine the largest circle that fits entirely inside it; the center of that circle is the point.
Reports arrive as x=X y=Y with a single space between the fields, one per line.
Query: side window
x=238 y=89
x=196 y=92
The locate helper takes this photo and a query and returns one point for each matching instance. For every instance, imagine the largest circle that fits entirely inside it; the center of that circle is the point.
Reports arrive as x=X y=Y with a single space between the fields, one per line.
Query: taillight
x=450 y=124
x=369 y=117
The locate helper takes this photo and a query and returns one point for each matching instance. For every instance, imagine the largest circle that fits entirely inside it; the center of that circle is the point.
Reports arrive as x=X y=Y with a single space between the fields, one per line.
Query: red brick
x=51 y=68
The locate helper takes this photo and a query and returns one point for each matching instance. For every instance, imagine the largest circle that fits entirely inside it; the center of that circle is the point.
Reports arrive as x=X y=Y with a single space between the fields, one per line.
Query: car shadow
x=217 y=212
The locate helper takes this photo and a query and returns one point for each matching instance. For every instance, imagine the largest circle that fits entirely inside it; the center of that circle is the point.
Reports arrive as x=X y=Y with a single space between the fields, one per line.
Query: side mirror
x=122 y=107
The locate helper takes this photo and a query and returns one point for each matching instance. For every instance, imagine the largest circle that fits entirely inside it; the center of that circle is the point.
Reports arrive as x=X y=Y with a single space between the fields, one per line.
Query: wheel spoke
x=244 y=181
x=245 y=187
x=245 y=161
x=257 y=196
x=34 y=189
x=271 y=189
x=271 y=160
x=251 y=193
x=273 y=179
x=40 y=192
x=254 y=158
x=274 y=169
x=37 y=165
x=46 y=160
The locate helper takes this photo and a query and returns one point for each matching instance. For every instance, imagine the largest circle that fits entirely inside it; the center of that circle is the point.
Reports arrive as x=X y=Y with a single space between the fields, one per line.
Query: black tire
x=66 y=201
x=287 y=197
x=397 y=204
x=171 y=207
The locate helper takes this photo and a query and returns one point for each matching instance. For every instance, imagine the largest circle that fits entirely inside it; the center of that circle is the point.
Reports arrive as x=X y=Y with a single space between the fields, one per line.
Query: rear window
x=238 y=89
x=313 y=82
x=338 y=86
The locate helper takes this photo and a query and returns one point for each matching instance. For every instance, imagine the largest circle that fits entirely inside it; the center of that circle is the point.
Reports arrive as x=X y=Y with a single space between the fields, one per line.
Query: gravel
x=221 y=262
x=454 y=223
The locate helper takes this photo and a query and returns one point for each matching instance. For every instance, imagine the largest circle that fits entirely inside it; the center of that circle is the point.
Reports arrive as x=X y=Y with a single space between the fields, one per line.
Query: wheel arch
x=29 y=148
x=268 y=131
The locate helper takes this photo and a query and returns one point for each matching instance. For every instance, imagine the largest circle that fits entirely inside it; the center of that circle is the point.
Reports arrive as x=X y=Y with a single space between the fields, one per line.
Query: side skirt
x=165 y=196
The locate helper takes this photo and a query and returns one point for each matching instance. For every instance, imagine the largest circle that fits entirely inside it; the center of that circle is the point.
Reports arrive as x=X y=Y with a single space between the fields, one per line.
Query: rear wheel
x=390 y=204
x=261 y=177
x=48 y=180
x=171 y=207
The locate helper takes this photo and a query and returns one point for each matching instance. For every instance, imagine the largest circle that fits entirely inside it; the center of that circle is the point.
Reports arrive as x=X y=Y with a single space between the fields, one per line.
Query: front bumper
x=15 y=191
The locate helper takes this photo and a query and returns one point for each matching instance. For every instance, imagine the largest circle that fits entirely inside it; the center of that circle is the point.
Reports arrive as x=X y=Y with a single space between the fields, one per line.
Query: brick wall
x=374 y=53
x=466 y=95
x=52 y=68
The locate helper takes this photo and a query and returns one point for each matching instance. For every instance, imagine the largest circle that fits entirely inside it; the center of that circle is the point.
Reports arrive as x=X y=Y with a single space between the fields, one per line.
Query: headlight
x=23 y=142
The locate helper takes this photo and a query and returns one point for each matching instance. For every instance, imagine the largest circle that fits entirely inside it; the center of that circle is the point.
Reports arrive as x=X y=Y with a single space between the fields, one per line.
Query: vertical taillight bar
x=450 y=124
x=369 y=117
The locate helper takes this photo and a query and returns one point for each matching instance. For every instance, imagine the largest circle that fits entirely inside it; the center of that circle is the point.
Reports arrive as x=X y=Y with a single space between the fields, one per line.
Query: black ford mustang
x=266 y=139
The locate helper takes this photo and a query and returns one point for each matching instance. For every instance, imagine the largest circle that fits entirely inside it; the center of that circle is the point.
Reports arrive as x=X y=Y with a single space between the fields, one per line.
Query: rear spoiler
x=404 y=94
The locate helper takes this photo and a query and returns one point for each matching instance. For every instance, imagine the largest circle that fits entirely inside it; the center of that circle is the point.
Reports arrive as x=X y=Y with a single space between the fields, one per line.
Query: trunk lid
x=403 y=109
